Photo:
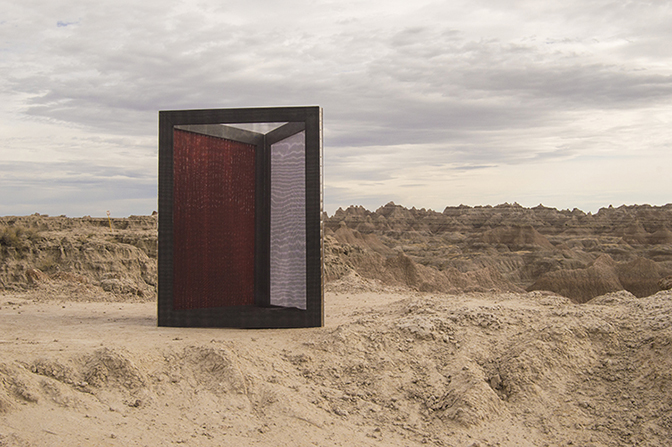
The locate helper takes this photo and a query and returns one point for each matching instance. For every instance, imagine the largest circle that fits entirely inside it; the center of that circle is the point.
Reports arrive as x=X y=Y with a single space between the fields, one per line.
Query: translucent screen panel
x=213 y=221
x=263 y=128
x=288 y=222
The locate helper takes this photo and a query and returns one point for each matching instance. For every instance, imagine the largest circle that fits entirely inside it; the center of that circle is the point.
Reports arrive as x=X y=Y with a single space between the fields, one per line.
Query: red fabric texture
x=213 y=221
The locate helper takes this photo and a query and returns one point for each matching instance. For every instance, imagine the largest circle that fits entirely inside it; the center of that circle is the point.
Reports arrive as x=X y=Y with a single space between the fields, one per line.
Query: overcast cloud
x=429 y=104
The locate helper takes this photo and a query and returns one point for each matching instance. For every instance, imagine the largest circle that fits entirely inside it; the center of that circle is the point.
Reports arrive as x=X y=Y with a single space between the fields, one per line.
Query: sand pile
x=389 y=368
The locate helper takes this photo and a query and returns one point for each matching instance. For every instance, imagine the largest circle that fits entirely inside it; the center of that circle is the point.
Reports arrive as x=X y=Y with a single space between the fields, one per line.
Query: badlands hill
x=505 y=248
x=85 y=256
x=473 y=327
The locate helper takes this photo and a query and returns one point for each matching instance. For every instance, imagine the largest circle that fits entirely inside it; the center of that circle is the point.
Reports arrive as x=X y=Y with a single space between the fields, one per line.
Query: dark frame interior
x=216 y=122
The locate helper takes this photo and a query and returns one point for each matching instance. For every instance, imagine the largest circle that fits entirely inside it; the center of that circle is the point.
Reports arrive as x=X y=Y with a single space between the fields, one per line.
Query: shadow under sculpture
x=240 y=218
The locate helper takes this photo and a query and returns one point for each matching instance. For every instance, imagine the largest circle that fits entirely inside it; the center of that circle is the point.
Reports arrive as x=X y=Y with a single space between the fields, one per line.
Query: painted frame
x=233 y=125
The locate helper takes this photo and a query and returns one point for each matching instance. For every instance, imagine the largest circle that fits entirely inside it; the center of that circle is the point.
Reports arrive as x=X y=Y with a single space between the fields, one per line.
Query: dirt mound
x=641 y=277
x=582 y=284
x=212 y=368
x=109 y=368
x=400 y=369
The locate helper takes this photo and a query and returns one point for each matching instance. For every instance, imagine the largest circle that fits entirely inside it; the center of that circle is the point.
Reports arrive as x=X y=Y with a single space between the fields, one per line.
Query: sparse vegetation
x=17 y=237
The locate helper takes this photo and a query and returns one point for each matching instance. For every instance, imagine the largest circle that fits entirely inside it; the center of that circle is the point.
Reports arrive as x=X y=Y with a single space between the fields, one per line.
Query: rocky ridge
x=94 y=258
x=503 y=248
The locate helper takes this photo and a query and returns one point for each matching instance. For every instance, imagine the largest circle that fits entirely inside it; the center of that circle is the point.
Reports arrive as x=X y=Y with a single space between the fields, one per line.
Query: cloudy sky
x=426 y=103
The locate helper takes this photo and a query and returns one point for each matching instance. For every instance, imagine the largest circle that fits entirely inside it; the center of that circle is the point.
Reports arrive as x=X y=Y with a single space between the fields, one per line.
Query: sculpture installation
x=240 y=218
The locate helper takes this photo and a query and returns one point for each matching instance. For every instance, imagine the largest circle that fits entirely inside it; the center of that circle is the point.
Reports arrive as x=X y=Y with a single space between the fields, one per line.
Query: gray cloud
x=457 y=86
x=76 y=188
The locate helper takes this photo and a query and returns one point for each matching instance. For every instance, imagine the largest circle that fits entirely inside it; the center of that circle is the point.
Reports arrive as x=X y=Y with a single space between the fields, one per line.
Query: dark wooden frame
x=261 y=315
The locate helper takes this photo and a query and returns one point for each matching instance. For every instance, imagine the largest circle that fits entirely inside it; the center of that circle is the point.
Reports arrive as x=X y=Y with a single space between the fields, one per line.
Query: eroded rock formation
x=507 y=247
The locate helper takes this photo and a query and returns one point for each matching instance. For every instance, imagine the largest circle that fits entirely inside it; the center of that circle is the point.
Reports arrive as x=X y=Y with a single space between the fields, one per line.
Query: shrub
x=17 y=237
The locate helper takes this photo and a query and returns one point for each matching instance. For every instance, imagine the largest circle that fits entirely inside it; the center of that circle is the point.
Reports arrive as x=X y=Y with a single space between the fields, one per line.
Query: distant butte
x=502 y=248
x=505 y=248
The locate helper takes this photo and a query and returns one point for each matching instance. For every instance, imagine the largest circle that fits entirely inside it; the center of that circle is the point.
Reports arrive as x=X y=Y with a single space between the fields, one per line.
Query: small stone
x=340 y=412
x=495 y=382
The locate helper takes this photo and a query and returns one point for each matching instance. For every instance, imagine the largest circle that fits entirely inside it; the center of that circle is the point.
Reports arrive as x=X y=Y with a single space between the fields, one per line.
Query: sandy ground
x=389 y=368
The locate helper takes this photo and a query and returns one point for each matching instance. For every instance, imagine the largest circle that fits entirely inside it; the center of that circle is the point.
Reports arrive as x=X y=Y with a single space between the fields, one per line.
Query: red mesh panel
x=213 y=222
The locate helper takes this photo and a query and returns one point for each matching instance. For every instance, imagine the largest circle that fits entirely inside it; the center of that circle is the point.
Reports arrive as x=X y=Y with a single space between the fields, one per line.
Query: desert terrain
x=475 y=326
